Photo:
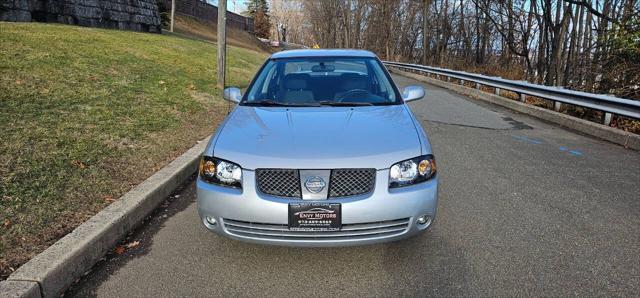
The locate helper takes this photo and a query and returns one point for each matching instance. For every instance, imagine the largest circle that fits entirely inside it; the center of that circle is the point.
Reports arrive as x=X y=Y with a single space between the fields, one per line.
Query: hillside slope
x=209 y=31
x=85 y=114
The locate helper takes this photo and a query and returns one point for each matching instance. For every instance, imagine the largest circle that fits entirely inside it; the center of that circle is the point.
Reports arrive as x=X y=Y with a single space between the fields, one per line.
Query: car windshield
x=320 y=81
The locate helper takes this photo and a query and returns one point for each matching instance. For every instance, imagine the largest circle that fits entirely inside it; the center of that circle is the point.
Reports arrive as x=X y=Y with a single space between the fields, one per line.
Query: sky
x=236 y=6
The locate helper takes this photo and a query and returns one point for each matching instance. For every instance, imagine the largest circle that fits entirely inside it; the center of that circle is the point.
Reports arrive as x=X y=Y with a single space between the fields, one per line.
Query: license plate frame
x=315 y=217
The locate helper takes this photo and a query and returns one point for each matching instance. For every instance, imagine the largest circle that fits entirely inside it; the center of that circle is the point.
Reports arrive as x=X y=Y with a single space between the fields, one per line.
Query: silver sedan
x=321 y=150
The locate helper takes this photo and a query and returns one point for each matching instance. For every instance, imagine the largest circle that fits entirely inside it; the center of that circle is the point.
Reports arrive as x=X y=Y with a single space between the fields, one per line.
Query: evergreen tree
x=259 y=11
x=253 y=6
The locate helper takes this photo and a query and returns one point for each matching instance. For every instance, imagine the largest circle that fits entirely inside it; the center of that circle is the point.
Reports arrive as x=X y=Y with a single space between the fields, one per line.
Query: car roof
x=322 y=53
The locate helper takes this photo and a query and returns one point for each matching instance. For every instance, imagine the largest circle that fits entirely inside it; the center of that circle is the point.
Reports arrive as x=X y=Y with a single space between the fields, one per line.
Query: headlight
x=221 y=172
x=412 y=171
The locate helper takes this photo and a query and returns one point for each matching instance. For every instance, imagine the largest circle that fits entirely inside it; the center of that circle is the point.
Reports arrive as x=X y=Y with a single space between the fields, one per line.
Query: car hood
x=318 y=138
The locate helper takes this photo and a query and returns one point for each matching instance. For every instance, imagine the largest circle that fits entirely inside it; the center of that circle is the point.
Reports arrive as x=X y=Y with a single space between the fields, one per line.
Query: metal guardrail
x=610 y=105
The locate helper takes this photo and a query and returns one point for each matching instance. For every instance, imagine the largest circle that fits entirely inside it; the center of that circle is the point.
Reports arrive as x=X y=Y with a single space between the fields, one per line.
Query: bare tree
x=582 y=44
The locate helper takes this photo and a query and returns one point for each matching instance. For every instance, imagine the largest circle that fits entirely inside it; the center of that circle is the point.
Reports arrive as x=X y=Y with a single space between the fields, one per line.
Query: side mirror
x=411 y=93
x=232 y=94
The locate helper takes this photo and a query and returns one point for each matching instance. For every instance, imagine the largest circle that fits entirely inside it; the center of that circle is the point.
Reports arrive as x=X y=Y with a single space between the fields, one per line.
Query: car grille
x=344 y=182
x=361 y=231
x=351 y=182
x=279 y=182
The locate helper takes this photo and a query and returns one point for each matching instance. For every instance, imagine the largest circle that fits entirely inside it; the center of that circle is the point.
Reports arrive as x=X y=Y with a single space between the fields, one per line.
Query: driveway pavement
x=526 y=208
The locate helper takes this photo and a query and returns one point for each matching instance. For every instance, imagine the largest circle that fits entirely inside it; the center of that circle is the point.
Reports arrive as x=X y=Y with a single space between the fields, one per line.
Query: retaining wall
x=206 y=12
x=138 y=15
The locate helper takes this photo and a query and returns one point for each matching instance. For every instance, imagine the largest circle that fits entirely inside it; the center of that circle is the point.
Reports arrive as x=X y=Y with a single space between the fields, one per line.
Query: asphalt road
x=526 y=208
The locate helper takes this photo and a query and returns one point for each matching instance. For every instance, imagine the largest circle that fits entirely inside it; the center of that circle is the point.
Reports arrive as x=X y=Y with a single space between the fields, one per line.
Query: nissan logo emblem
x=314 y=184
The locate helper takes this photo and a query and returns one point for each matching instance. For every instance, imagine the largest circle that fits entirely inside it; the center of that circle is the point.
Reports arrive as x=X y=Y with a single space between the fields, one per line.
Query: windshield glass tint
x=317 y=81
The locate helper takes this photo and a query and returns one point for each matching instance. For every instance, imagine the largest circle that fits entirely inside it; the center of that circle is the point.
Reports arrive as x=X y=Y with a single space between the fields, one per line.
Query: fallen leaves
x=120 y=249
x=133 y=244
x=108 y=199
x=78 y=163
x=6 y=223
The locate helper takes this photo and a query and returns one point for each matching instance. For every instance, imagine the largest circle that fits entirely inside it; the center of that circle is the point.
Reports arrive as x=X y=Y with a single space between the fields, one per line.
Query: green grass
x=85 y=114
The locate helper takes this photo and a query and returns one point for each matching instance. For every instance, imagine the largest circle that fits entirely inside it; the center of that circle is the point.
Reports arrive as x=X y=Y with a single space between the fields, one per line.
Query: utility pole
x=425 y=36
x=222 y=41
x=173 y=13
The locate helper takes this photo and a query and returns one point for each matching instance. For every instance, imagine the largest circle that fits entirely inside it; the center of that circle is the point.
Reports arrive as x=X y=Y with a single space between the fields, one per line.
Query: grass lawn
x=86 y=114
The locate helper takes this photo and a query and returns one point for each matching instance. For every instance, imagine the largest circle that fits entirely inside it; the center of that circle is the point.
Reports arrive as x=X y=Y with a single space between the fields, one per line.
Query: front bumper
x=381 y=216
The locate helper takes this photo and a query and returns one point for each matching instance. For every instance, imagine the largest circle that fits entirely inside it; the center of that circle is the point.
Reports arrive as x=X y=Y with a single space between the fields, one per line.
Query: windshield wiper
x=344 y=103
x=271 y=103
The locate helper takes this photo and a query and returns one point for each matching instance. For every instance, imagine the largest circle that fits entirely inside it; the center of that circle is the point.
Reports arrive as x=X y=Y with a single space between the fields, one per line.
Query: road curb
x=51 y=272
x=617 y=136
x=19 y=288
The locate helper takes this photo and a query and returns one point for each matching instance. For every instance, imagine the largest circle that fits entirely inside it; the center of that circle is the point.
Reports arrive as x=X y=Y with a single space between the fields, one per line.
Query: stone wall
x=206 y=12
x=138 y=15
